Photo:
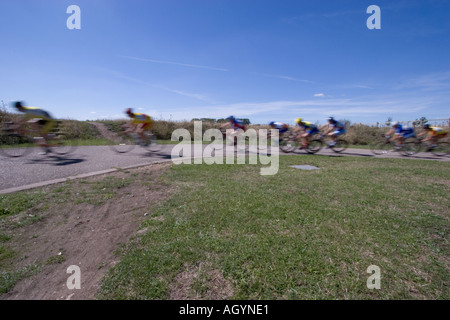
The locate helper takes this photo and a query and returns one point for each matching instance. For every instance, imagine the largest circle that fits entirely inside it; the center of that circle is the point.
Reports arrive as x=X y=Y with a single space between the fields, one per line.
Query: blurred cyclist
x=400 y=133
x=139 y=123
x=238 y=126
x=282 y=127
x=308 y=130
x=234 y=124
x=434 y=134
x=335 y=129
x=41 y=121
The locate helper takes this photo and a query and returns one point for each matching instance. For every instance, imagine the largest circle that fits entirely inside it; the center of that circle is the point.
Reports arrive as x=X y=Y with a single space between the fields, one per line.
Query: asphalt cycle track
x=36 y=170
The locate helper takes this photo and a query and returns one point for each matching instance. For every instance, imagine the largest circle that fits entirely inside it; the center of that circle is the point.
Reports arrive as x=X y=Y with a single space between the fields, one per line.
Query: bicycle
x=383 y=147
x=127 y=141
x=440 y=149
x=17 y=140
x=236 y=139
x=287 y=141
x=313 y=146
x=337 y=146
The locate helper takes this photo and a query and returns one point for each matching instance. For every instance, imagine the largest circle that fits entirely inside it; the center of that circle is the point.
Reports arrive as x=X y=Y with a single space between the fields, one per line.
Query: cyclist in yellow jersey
x=41 y=121
x=434 y=134
x=139 y=123
x=308 y=130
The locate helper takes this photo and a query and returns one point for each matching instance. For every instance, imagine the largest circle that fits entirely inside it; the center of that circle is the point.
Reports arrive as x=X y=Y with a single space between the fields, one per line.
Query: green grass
x=298 y=234
x=295 y=235
x=9 y=278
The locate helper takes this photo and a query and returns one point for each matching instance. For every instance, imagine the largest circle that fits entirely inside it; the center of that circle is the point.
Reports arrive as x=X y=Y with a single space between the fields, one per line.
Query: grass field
x=229 y=233
x=296 y=235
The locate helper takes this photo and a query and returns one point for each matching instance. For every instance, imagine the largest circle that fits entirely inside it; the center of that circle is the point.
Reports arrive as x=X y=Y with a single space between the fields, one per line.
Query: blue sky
x=259 y=59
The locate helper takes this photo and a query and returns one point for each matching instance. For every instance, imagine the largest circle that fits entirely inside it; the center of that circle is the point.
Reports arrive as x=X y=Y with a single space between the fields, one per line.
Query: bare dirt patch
x=201 y=282
x=84 y=231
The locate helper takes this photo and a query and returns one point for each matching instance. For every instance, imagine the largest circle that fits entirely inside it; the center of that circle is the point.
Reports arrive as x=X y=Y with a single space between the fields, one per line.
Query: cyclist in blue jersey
x=238 y=127
x=401 y=133
x=235 y=124
x=308 y=130
x=282 y=127
x=335 y=129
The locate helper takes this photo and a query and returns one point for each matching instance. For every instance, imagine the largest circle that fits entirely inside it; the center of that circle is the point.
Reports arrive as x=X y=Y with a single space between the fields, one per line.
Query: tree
x=246 y=121
x=389 y=121
x=420 y=122
x=3 y=111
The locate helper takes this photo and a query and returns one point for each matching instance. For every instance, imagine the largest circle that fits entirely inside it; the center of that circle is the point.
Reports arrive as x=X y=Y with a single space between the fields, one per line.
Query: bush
x=360 y=134
x=78 y=130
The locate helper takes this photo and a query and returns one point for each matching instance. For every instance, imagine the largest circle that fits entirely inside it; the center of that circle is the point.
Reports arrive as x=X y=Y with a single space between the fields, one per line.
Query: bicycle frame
x=129 y=140
x=13 y=134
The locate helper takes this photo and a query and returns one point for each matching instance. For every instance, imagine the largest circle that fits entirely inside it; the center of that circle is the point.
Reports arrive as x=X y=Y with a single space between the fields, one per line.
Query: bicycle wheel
x=314 y=146
x=340 y=145
x=442 y=149
x=153 y=146
x=410 y=148
x=381 y=148
x=124 y=144
x=298 y=146
x=14 y=145
x=287 y=145
x=59 y=144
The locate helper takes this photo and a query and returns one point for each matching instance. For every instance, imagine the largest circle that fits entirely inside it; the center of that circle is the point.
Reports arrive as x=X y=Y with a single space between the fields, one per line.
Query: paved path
x=35 y=170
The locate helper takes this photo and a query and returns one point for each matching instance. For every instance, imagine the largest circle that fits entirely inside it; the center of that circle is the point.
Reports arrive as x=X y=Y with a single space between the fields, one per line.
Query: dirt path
x=84 y=234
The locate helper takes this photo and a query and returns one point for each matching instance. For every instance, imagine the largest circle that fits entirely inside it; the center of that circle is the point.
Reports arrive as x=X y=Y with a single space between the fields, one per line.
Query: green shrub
x=78 y=129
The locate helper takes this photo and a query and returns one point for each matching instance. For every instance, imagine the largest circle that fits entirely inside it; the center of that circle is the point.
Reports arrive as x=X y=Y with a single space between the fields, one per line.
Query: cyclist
x=238 y=126
x=400 y=133
x=282 y=127
x=335 y=129
x=235 y=124
x=140 y=122
x=308 y=130
x=434 y=134
x=41 y=121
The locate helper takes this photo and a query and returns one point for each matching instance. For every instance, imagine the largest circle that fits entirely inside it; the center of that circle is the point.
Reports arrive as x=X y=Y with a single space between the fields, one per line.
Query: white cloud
x=174 y=63
x=197 y=96
x=362 y=106
x=282 y=77
x=432 y=81
x=321 y=95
